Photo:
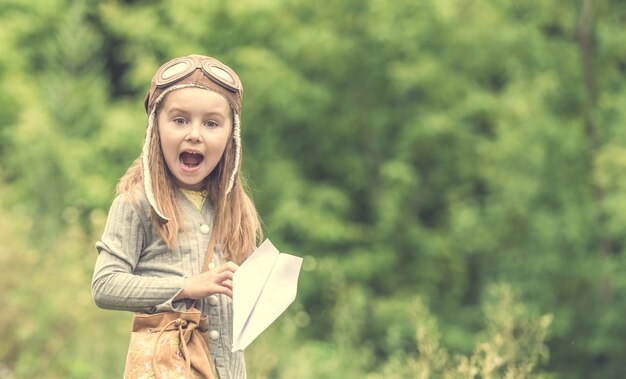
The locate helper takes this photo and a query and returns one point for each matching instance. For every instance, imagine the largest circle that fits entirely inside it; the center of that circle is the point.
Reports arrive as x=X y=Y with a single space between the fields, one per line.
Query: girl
x=184 y=188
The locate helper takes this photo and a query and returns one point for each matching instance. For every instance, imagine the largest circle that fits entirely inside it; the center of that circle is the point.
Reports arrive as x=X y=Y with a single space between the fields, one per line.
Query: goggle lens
x=176 y=71
x=219 y=73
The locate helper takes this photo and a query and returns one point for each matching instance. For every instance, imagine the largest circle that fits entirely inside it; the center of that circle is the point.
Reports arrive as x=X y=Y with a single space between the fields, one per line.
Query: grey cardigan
x=136 y=271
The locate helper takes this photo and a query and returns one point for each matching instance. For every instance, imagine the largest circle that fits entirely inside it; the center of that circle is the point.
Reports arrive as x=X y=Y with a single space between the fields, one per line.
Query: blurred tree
x=408 y=149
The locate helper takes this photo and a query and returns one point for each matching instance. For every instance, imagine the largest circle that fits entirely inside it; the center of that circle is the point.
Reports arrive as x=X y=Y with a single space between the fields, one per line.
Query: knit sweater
x=136 y=271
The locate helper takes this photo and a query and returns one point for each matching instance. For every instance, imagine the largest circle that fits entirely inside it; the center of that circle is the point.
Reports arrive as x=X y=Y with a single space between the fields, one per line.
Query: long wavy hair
x=237 y=224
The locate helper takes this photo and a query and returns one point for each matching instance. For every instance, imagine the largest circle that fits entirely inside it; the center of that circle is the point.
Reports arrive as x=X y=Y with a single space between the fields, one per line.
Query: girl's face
x=194 y=127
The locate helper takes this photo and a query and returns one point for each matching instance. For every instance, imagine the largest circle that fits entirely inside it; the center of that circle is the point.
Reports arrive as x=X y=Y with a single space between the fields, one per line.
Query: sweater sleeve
x=115 y=283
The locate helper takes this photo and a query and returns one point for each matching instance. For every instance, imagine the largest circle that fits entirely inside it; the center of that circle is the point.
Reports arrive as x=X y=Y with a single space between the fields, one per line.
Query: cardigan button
x=214 y=335
x=211 y=266
x=213 y=300
x=204 y=229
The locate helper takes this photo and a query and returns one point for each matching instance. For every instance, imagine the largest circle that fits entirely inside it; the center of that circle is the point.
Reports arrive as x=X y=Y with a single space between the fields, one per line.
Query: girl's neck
x=195 y=187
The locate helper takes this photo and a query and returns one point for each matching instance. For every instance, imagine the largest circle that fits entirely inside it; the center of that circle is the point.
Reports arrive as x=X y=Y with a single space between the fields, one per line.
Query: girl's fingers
x=225 y=275
x=228 y=284
x=228 y=292
x=225 y=290
x=228 y=266
x=217 y=280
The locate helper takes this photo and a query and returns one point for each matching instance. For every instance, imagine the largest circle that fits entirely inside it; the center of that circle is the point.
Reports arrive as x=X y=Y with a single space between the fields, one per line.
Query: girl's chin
x=190 y=186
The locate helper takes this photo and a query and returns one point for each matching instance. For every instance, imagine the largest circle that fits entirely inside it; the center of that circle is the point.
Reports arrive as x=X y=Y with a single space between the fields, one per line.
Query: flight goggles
x=185 y=70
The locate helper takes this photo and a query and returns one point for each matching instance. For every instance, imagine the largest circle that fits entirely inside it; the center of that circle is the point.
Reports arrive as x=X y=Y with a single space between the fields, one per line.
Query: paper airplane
x=263 y=287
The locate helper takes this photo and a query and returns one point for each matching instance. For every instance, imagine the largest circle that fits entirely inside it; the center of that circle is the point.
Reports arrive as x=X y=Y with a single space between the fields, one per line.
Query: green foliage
x=512 y=348
x=414 y=152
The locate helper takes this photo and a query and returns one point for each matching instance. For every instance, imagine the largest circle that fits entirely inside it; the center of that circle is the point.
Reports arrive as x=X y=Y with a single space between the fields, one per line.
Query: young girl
x=184 y=188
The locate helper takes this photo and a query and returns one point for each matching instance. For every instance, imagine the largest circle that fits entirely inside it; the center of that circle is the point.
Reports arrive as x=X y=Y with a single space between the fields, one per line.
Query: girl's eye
x=211 y=124
x=180 y=121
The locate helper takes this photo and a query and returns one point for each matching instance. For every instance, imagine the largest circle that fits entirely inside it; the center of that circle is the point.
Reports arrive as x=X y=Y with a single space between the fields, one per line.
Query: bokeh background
x=451 y=170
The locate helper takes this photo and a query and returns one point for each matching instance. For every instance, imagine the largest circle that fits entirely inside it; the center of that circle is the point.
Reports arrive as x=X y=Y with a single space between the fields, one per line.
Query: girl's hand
x=217 y=280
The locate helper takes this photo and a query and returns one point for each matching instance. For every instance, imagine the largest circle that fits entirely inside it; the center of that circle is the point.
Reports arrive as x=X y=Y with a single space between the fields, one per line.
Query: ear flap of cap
x=237 y=138
x=147 y=176
x=145 y=102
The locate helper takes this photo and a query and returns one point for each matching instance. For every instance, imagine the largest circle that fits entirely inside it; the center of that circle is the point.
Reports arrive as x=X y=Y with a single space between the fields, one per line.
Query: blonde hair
x=237 y=224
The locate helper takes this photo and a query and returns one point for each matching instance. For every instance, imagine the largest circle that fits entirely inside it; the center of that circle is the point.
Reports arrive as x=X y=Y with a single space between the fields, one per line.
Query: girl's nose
x=194 y=132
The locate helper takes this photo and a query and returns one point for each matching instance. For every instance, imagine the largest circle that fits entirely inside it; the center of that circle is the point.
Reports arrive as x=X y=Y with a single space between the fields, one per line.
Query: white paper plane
x=263 y=287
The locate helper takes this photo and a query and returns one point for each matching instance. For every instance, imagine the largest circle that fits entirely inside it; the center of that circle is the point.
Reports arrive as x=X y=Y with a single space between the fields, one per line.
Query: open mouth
x=191 y=159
